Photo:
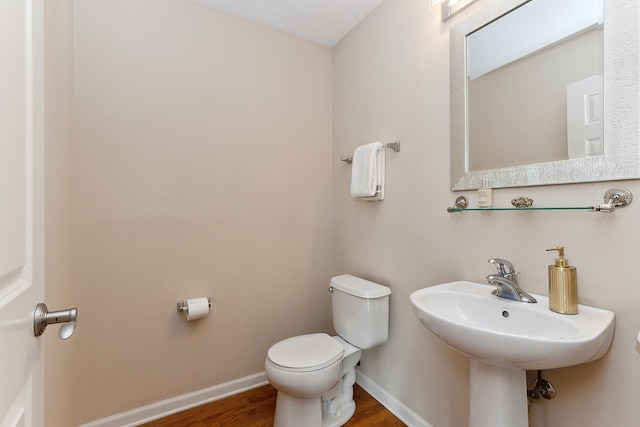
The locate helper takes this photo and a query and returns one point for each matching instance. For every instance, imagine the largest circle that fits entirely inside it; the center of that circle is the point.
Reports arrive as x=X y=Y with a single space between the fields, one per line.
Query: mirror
x=578 y=127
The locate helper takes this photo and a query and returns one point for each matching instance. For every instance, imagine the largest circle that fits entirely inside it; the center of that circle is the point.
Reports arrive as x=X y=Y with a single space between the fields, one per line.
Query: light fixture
x=435 y=3
x=450 y=8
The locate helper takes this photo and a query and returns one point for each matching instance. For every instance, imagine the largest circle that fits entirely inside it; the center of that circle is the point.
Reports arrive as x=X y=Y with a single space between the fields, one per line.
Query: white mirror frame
x=621 y=158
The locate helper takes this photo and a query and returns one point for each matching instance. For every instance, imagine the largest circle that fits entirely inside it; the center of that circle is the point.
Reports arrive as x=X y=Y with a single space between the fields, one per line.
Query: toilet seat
x=305 y=353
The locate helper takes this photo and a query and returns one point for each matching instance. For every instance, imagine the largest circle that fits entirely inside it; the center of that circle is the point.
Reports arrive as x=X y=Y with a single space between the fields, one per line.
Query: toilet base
x=339 y=418
x=338 y=405
x=296 y=412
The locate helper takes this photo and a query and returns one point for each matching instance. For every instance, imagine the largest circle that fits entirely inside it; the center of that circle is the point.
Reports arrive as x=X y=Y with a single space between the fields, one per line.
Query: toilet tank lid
x=359 y=287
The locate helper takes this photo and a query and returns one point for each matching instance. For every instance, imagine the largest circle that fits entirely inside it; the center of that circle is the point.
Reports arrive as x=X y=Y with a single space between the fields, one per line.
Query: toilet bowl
x=302 y=369
x=315 y=373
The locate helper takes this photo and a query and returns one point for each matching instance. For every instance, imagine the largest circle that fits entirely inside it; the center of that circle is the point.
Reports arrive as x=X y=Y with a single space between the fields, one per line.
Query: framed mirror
x=545 y=92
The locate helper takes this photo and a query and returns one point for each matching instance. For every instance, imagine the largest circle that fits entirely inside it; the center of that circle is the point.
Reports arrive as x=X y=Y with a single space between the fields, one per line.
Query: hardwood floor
x=255 y=408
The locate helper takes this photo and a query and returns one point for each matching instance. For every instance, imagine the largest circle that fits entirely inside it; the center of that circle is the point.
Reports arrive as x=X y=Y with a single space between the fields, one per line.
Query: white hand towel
x=367 y=171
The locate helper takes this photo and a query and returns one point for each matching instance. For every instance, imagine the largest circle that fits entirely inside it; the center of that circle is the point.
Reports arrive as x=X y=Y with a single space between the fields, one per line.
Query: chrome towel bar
x=395 y=146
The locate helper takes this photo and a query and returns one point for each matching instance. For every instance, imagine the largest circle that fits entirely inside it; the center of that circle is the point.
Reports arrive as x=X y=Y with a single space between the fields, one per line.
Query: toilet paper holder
x=182 y=305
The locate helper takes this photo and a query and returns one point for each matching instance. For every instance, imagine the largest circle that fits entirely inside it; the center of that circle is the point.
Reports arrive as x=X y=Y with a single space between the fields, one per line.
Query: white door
x=585 y=108
x=21 y=211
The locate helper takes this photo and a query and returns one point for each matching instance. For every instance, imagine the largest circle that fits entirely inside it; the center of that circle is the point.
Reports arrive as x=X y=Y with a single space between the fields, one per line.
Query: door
x=585 y=108
x=21 y=211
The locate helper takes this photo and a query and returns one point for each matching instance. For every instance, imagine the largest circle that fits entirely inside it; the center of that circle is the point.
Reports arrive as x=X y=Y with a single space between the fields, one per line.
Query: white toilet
x=314 y=374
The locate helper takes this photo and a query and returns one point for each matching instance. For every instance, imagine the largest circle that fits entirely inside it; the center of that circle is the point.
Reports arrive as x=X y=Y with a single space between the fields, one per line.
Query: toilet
x=314 y=374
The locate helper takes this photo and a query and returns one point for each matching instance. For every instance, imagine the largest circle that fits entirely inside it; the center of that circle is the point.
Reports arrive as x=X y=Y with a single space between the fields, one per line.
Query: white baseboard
x=180 y=403
x=397 y=408
x=177 y=404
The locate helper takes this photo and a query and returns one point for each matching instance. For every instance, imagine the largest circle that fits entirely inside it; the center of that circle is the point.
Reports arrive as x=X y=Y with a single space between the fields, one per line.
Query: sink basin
x=505 y=338
x=512 y=334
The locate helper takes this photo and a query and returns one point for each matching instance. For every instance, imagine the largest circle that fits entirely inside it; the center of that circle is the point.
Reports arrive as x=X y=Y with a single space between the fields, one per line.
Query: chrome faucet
x=506 y=282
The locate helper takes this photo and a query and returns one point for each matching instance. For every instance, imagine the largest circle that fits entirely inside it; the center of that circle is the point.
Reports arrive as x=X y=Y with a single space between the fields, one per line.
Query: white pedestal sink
x=504 y=338
x=497 y=396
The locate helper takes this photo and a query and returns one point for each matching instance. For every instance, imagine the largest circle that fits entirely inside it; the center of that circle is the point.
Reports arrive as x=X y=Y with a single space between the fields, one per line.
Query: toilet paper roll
x=197 y=308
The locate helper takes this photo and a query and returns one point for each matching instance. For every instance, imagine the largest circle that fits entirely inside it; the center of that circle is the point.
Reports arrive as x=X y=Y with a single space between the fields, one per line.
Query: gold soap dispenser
x=563 y=285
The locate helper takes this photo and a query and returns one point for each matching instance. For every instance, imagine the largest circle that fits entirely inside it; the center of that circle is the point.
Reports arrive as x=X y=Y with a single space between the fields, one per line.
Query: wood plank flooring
x=255 y=408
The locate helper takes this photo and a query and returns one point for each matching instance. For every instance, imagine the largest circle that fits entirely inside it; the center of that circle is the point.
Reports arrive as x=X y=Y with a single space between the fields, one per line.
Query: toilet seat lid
x=310 y=352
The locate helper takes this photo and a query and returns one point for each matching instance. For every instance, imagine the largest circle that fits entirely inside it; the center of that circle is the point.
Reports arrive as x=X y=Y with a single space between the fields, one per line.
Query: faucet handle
x=505 y=268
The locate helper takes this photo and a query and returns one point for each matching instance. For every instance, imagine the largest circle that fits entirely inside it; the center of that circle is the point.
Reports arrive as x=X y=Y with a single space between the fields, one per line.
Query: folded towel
x=367 y=173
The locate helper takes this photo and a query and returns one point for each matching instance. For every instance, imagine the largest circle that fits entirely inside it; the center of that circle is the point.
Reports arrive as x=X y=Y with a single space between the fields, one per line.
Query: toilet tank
x=360 y=310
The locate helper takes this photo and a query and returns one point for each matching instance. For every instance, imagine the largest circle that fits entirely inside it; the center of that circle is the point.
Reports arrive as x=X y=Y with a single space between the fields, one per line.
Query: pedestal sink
x=504 y=338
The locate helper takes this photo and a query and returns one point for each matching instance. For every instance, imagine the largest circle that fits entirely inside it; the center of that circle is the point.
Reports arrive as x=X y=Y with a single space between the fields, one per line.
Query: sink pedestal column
x=498 y=396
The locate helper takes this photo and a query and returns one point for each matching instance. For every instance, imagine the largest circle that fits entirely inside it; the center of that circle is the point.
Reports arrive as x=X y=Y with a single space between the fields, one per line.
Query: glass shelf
x=558 y=208
x=613 y=198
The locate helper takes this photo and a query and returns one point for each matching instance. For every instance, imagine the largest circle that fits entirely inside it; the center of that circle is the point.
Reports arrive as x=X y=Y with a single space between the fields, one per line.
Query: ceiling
x=321 y=21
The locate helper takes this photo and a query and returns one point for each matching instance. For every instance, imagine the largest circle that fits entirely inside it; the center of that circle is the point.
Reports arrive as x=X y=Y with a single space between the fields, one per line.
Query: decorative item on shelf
x=485 y=198
x=522 y=202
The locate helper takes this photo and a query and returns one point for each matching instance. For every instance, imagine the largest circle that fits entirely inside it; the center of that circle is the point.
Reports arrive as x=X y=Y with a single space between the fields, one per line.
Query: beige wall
x=391 y=82
x=59 y=226
x=203 y=168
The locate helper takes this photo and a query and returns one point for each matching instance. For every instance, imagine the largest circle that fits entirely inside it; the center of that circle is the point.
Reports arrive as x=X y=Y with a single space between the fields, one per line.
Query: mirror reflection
x=532 y=97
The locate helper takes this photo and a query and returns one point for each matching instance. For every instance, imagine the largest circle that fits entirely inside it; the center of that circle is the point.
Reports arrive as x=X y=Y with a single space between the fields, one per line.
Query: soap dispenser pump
x=563 y=285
